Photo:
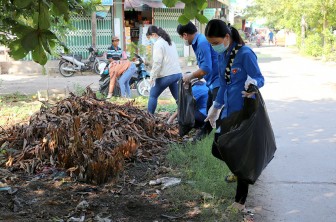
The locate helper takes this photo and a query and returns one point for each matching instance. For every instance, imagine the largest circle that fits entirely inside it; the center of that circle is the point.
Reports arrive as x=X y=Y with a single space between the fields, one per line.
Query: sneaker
x=236 y=207
x=231 y=178
x=109 y=96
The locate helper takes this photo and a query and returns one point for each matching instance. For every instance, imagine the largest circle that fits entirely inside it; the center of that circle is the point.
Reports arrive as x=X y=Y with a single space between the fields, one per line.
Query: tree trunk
x=94 y=29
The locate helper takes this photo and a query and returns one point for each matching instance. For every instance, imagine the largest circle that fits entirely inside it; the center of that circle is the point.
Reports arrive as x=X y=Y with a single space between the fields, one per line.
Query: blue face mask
x=153 y=40
x=220 y=48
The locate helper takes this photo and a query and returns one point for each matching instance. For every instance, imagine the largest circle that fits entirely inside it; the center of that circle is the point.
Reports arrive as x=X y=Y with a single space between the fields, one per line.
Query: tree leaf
x=44 y=17
x=21 y=30
x=45 y=43
x=30 y=40
x=202 y=19
x=188 y=1
x=22 y=3
x=49 y=34
x=201 y=5
x=183 y=20
x=39 y=55
x=169 y=3
x=62 y=7
x=190 y=10
x=16 y=50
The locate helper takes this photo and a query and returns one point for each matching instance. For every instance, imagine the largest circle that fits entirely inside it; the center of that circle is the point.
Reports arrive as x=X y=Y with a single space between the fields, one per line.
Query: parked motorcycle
x=70 y=64
x=140 y=80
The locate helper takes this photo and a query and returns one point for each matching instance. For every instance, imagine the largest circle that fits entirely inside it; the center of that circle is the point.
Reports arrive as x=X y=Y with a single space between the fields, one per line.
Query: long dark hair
x=160 y=32
x=218 y=28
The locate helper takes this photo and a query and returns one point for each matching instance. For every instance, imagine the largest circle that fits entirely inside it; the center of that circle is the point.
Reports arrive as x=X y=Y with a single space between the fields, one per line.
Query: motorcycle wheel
x=63 y=72
x=143 y=87
x=96 y=67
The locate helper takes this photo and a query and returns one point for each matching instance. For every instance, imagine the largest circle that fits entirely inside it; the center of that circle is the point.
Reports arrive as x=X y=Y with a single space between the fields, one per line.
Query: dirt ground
x=53 y=196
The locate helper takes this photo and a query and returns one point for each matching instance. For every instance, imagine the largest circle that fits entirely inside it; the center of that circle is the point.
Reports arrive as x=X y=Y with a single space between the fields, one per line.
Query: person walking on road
x=244 y=71
x=270 y=37
x=166 y=70
x=207 y=63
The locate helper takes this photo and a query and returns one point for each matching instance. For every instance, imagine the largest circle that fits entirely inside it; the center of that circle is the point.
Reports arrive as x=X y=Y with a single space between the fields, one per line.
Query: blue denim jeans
x=159 y=86
x=124 y=80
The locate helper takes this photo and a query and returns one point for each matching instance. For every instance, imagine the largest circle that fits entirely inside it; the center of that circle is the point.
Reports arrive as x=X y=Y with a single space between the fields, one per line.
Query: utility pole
x=94 y=29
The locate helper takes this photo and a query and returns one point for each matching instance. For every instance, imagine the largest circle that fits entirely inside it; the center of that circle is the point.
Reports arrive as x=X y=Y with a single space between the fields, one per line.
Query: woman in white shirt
x=166 y=70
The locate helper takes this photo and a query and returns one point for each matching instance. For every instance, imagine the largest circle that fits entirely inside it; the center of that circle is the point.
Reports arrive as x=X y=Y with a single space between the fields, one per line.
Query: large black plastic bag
x=247 y=142
x=186 y=108
x=104 y=84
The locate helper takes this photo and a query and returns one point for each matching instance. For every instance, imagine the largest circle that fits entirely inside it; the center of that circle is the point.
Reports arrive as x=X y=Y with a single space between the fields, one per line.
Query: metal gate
x=167 y=20
x=79 y=38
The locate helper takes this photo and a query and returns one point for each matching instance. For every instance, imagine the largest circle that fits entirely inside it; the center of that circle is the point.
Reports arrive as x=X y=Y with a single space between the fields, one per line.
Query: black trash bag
x=186 y=108
x=104 y=85
x=246 y=142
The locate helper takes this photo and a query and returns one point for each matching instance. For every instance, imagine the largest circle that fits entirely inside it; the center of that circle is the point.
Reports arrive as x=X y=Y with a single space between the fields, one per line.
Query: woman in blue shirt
x=244 y=71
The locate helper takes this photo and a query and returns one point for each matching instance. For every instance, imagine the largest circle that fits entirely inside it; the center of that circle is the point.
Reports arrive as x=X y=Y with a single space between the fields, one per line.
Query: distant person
x=270 y=37
x=207 y=66
x=166 y=70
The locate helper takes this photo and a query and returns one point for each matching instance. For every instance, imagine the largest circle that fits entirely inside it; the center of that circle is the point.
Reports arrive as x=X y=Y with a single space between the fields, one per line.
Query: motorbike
x=139 y=81
x=70 y=64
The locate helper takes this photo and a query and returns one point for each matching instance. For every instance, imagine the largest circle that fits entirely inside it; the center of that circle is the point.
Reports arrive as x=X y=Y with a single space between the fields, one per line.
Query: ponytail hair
x=218 y=28
x=160 y=32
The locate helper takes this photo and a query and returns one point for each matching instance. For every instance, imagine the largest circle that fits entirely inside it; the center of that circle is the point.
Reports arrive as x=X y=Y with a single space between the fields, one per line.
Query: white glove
x=249 y=81
x=213 y=115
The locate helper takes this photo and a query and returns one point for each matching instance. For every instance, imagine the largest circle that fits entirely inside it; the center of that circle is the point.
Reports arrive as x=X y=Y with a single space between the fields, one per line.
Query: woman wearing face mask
x=166 y=70
x=244 y=71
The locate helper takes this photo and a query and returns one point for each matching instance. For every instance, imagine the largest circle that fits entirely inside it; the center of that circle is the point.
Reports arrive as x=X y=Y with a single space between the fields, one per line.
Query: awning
x=129 y=4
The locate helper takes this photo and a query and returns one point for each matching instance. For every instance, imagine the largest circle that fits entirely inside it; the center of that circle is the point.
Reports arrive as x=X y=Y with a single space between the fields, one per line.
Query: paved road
x=300 y=182
x=31 y=83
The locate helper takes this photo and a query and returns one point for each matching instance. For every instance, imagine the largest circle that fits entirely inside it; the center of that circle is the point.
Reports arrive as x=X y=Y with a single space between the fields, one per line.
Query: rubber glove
x=213 y=115
x=249 y=81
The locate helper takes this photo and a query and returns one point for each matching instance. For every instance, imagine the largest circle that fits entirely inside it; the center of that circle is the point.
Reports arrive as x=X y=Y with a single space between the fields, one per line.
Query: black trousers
x=242 y=191
x=242 y=185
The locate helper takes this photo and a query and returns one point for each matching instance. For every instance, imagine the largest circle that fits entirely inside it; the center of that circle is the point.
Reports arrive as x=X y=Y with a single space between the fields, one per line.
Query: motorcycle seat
x=78 y=57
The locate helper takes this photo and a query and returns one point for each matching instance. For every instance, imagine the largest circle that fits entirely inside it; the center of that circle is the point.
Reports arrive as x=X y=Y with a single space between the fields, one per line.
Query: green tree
x=319 y=17
x=192 y=10
x=26 y=25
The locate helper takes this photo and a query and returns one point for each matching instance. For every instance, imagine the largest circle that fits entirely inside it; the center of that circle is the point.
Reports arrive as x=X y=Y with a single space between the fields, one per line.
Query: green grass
x=17 y=108
x=202 y=173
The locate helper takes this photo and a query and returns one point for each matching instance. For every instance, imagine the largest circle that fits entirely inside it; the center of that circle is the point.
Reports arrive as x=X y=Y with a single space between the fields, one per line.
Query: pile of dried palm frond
x=88 y=137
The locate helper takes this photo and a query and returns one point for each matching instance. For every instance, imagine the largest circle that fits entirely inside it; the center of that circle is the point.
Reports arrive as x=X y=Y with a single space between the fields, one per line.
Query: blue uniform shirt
x=207 y=60
x=200 y=93
x=244 y=64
